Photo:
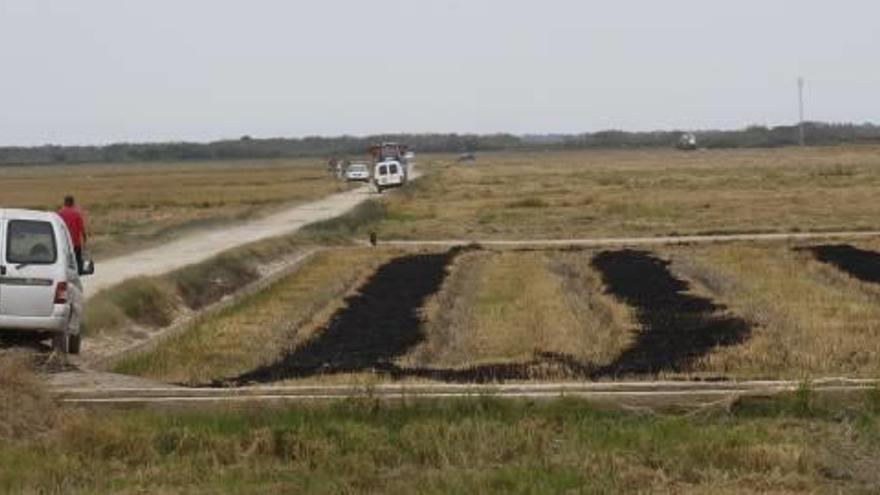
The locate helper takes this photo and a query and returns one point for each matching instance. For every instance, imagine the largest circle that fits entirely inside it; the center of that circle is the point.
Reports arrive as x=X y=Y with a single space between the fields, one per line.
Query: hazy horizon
x=103 y=71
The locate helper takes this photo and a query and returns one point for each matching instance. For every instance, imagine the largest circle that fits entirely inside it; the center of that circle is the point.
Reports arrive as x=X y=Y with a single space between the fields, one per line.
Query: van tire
x=61 y=342
x=74 y=343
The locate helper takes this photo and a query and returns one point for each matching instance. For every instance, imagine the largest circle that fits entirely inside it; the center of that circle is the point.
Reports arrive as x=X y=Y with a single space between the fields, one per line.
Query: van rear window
x=30 y=242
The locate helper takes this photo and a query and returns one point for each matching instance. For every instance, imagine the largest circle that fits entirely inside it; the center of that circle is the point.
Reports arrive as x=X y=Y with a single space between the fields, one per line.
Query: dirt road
x=197 y=247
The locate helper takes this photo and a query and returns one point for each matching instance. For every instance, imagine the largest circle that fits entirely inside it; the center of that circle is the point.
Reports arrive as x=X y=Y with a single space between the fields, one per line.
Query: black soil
x=861 y=264
x=377 y=325
x=544 y=366
x=677 y=328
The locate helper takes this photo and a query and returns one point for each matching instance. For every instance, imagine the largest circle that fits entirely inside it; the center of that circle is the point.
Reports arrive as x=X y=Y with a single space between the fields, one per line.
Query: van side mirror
x=88 y=268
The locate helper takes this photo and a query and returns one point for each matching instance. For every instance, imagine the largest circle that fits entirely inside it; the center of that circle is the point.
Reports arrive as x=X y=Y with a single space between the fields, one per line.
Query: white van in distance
x=40 y=287
x=389 y=173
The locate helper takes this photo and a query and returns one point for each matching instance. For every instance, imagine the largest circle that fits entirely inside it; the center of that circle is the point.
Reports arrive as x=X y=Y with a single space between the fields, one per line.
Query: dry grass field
x=641 y=193
x=796 y=444
x=809 y=319
x=364 y=315
x=721 y=311
x=507 y=307
x=260 y=328
x=130 y=205
x=801 y=318
x=725 y=311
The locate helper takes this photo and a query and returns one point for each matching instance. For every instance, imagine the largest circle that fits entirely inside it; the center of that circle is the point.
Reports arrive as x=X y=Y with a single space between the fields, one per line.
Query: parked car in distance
x=358 y=172
x=40 y=287
x=389 y=173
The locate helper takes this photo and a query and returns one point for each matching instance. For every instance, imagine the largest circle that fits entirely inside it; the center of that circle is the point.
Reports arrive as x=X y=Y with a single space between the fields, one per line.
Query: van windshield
x=30 y=242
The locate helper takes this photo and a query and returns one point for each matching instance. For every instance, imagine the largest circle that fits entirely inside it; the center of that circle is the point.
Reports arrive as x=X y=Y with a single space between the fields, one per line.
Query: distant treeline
x=350 y=146
x=815 y=134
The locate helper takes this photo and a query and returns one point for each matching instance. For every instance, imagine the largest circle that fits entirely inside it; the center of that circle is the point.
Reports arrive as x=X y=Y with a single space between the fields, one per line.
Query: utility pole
x=801 y=111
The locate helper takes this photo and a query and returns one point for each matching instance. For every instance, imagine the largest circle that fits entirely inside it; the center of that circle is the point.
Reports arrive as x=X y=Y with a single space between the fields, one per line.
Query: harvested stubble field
x=365 y=315
x=709 y=312
x=132 y=204
x=809 y=317
x=260 y=328
x=474 y=315
x=641 y=193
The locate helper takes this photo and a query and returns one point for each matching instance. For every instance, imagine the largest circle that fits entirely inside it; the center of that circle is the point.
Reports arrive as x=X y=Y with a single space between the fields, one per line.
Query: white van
x=389 y=173
x=40 y=287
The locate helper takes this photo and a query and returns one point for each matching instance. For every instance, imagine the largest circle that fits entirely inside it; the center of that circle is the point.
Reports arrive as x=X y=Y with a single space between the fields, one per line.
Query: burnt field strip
x=859 y=263
x=382 y=323
x=677 y=328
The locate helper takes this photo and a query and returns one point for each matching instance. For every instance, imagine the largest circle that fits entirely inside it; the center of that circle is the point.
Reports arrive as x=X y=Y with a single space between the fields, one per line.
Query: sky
x=102 y=71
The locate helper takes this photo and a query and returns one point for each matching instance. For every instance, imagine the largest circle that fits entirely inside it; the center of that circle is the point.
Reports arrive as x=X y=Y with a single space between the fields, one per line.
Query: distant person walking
x=73 y=218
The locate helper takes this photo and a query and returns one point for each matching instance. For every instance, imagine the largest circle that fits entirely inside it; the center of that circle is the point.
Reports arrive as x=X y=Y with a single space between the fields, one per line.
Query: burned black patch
x=544 y=366
x=381 y=323
x=677 y=328
x=378 y=324
x=860 y=263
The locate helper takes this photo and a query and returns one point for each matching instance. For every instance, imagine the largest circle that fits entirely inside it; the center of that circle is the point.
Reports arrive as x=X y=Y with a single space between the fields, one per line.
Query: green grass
x=482 y=446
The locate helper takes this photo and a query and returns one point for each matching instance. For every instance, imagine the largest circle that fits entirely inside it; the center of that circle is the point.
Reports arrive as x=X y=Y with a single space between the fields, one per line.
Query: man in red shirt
x=73 y=218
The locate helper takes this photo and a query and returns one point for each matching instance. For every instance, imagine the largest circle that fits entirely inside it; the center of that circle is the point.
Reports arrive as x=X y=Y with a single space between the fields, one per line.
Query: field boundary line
x=636 y=241
x=620 y=394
